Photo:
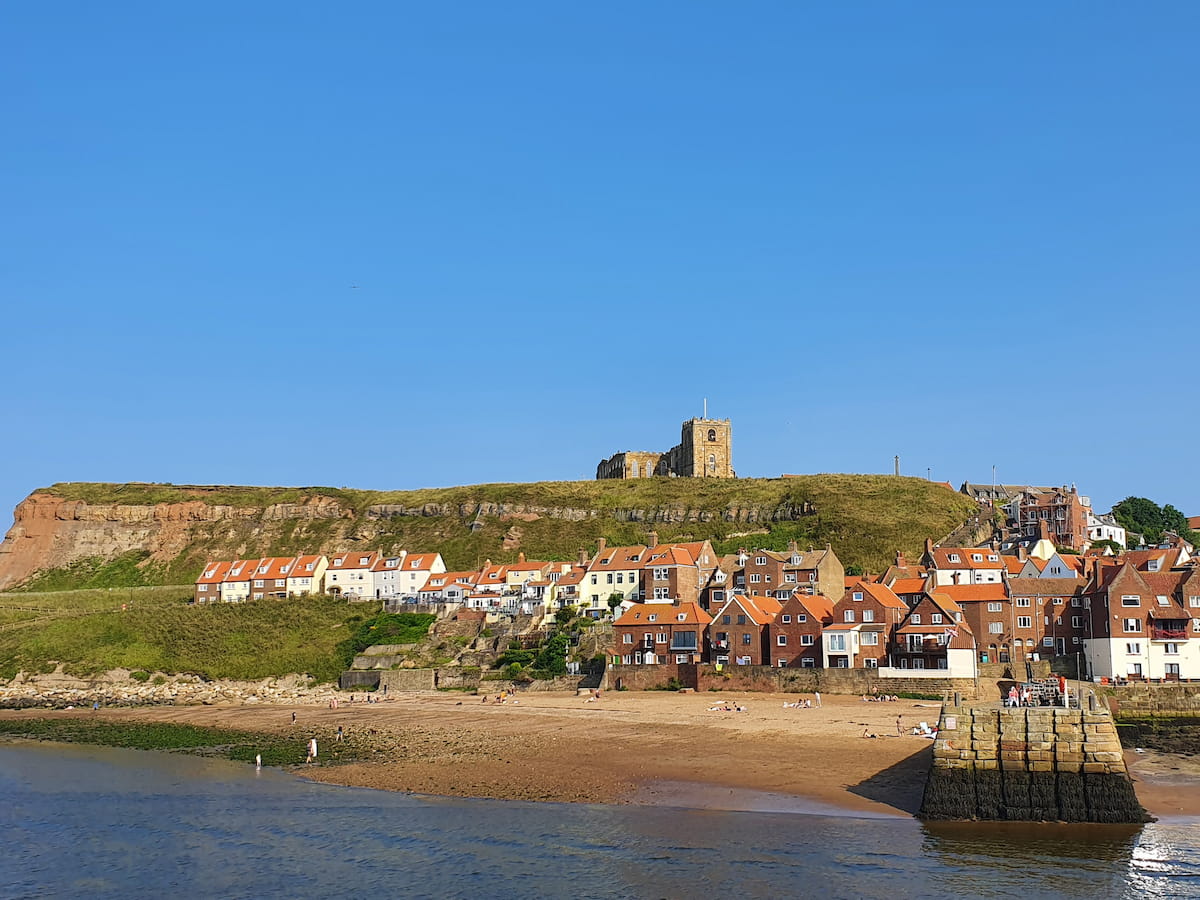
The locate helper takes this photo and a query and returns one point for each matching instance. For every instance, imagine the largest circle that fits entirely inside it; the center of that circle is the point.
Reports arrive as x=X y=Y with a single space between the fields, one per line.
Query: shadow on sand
x=902 y=785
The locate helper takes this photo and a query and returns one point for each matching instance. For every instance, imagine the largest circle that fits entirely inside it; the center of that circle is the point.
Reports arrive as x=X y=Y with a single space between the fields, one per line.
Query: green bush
x=140 y=676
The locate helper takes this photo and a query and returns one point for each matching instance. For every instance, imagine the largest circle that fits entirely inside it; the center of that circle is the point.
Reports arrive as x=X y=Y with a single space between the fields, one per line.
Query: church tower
x=706 y=449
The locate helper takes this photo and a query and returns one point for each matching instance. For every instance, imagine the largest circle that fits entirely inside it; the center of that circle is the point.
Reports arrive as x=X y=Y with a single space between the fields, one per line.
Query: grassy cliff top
x=709 y=494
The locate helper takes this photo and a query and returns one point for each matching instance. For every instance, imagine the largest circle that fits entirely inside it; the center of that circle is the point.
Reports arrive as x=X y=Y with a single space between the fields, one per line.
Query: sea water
x=98 y=822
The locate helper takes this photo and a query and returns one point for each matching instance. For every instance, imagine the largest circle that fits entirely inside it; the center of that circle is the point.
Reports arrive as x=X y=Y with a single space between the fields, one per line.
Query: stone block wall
x=1029 y=764
x=766 y=679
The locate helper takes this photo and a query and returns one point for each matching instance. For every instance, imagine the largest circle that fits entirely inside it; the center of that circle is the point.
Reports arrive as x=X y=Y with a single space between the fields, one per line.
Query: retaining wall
x=1037 y=764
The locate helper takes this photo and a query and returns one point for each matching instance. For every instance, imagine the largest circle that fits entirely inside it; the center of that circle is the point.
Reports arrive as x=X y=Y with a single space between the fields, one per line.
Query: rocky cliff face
x=175 y=529
x=51 y=533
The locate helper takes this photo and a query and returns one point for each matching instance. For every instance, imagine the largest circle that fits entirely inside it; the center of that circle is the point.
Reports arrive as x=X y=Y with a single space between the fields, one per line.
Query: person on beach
x=339 y=734
x=293 y=718
x=312 y=751
x=96 y=706
x=257 y=762
x=1013 y=697
x=817 y=696
x=899 y=726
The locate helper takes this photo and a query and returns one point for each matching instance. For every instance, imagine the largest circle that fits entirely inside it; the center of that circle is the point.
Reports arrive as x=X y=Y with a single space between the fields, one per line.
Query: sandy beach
x=632 y=747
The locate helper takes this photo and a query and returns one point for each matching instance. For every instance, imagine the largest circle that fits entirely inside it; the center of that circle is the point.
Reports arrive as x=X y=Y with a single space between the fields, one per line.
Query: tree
x=1148 y=519
x=564 y=615
x=553 y=656
x=614 y=600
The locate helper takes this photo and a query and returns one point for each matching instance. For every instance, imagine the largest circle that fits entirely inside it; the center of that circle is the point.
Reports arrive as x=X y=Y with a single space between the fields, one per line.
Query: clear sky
x=962 y=233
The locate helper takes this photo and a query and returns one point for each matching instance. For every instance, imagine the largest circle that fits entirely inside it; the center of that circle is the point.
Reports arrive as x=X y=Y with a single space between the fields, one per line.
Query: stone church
x=705 y=450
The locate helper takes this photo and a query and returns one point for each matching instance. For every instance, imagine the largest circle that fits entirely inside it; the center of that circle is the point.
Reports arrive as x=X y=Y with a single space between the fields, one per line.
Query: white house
x=1105 y=528
x=349 y=574
x=385 y=575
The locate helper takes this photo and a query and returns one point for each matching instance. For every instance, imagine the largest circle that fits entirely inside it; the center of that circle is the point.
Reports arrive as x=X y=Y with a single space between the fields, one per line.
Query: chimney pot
x=601 y=545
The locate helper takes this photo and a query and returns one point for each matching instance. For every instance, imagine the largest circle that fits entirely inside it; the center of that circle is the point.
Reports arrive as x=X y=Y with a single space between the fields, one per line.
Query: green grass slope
x=865 y=517
x=155 y=629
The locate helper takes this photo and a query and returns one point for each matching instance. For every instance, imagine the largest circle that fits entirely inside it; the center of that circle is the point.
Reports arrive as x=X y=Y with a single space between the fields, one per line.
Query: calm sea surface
x=97 y=822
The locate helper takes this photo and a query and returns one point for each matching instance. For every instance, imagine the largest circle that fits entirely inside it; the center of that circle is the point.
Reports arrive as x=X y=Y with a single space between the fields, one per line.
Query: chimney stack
x=601 y=546
x=1021 y=554
x=901 y=562
x=582 y=559
x=653 y=539
x=521 y=557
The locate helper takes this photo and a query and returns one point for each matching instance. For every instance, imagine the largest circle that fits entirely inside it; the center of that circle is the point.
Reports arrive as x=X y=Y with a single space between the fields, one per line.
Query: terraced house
x=654 y=633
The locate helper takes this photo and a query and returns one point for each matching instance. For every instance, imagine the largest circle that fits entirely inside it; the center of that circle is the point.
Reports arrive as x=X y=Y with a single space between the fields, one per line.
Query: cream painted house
x=307 y=576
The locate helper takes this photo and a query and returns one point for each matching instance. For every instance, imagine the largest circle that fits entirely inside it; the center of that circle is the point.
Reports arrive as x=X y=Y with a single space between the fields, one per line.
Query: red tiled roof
x=274 y=567
x=619 y=558
x=248 y=567
x=354 y=559
x=884 y=596
x=214 y=572
x=301 y=568
x=941 y=557
x=908 y=585
x=417 y=562
x=667 y=614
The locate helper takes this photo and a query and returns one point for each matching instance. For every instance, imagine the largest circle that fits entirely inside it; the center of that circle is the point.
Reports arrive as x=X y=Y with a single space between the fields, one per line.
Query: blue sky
x=961 y=233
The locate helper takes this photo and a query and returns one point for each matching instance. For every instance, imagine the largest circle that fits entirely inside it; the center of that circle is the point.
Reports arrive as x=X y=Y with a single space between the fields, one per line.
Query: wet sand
x=633 y=747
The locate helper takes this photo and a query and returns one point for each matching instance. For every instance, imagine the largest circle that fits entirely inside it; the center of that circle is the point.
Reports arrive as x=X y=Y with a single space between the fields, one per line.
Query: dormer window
x=363 y=560
x=796 y=559
x=339 y=560
x=954 y=557
x=992 y=557
x=977 y=557
x=1163 y=601
x=653 y=617
x=679 y=617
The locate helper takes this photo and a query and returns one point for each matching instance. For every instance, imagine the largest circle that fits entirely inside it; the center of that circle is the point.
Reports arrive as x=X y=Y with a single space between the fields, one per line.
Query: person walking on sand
x=339 y=734
x=312 y=751
x=899 y=726
x=293 y=717
x=817 y=695
x=257 y=762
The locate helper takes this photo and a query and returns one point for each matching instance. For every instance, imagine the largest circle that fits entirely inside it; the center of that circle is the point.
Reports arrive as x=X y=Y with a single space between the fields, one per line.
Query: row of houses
x=611 y=578
x=1136 y=615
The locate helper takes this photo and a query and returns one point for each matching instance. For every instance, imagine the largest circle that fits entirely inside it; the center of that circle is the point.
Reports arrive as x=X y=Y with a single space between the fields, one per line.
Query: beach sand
x=641 y=747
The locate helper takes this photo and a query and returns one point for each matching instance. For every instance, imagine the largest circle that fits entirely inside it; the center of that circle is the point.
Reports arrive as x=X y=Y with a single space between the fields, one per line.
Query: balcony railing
x=1168 y=634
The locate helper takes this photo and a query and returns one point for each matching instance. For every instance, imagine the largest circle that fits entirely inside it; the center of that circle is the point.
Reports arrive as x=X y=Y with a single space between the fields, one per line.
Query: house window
x=724 y=620
x=954 y=557
x=808 y=663
x=1171 y=649
x=203 y=587
x=870 y=638
x=653 y=617
x=868 y=615
x=1076 y=621
x=661 y=638
x=258 y=583
x=993 y=607
x=746 y=639
x=594 y=577
x=1134 y=669
x=662 y=593
x=837 y=643
x=1075 y=640
x=977 y=557
x=786 y=620
x=857 y=595
x=995 y=628
x=790 y=577
x=1133 y=626
x=755 y=579
x=915 y=619
x=801 y=618
x=806 y=640
x=627 y=638
x=1047 y=642
x=848 y=616
x=1022 y=601
x=870 y=663
x=741 y=619
x=781 y=640
x=935 y=619
x=1024 y=621
x=760 y=560
x=661 y=574
x=681 y=657
x=1131 y=600
x=610 y=577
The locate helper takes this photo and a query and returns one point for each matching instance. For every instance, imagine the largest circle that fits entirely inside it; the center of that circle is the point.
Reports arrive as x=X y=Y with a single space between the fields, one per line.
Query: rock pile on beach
x=117 y=688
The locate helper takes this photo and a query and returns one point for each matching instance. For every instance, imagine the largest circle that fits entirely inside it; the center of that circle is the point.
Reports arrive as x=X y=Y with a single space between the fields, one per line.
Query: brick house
x=778 y=574
x=795 y=635
x=863 y=621
x=739 y=632
x=270 y=578
x=654 y=633
x=208 y=584
x=935 y=635
x=990 y=615
x=1063 y=511
x=1057 y=609
x=670 y=573
x=1144 y=625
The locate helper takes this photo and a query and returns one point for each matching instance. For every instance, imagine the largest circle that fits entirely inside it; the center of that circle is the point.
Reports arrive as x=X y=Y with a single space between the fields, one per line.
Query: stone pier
x=1029 y=764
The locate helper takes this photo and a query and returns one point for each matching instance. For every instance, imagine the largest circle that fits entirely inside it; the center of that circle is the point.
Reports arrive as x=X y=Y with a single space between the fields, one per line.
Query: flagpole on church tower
x=706 y=407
